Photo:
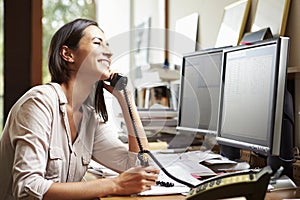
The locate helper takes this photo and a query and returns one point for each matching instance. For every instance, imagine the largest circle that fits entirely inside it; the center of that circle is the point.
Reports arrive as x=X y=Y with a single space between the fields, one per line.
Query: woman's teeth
x=105 y=63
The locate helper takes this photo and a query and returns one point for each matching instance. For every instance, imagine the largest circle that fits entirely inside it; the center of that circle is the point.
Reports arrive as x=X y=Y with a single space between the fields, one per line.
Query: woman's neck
x=76 y=93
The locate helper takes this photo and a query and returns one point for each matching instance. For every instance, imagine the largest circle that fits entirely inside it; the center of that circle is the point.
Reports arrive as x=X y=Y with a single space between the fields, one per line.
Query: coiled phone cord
x=142 y=155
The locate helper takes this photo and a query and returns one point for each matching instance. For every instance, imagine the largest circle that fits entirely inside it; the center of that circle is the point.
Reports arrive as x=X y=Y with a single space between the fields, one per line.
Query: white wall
x=117 y=17
x=155 y=9
x=210 y=17
x=293 y=31
x=210 y=12
x=113 y=17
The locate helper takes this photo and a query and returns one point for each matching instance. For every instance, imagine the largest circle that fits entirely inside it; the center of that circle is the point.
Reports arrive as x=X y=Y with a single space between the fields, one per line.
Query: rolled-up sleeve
x=31 y=128
x=28 y=171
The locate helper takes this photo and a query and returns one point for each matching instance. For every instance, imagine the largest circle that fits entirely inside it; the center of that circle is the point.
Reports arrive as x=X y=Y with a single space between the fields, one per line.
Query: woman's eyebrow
x=98 y=38
x=101 y=40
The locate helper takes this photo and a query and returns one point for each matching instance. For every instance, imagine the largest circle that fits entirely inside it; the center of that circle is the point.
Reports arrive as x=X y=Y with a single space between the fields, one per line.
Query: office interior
x=23 y=53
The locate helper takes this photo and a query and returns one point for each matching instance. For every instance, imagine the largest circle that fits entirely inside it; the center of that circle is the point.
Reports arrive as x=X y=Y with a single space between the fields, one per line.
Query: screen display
x=199 y=92
x=249 y=94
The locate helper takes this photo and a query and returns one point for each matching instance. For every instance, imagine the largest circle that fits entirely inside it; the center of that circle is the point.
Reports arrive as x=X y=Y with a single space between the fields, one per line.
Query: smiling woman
x=55 y=129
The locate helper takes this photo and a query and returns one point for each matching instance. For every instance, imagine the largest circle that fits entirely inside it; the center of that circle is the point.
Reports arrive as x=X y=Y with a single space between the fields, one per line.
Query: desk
x=283 y=194
x=165 y=197
x=275 y=195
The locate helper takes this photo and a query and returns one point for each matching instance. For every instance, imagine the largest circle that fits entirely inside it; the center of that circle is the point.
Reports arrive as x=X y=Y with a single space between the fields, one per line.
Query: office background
x=23 y=36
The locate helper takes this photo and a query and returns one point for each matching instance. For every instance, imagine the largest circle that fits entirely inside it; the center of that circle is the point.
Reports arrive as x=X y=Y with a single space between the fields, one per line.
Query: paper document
x=188 y=161
x=178 y=188
x=101 y=170
x=159 y=190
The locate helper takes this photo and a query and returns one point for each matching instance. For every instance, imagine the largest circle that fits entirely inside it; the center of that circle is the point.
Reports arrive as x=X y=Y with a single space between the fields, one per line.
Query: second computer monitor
x=253 y=96
x=199 y=91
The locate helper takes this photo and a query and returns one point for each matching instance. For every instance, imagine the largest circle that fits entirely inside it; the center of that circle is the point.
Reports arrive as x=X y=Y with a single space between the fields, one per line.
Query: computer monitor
x=199 y=91
x=255 y=109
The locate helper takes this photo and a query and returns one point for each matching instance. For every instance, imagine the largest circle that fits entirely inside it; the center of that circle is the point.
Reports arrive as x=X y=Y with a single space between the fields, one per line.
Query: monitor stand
x=281 y=183
x=286 y=158
x=232 y=153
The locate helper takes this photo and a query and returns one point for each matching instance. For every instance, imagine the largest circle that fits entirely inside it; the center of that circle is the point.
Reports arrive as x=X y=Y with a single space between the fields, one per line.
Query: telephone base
x=249 y=184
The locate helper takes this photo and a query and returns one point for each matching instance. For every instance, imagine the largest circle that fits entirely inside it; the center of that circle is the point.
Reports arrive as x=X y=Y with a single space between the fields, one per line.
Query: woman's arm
x=132 y=181
x=133 y=121
x=132 y=140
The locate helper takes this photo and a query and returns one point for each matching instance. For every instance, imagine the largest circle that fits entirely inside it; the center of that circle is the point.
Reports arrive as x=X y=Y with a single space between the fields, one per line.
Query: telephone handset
x=249 y=184
x=118 y=81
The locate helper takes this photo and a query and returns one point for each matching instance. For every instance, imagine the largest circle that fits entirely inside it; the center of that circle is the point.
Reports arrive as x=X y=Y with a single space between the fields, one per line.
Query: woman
x=54 y=130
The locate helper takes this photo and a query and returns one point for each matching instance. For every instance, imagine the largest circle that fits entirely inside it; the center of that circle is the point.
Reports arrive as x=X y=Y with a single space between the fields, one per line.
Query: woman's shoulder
x=41 y=90
x=45 y=93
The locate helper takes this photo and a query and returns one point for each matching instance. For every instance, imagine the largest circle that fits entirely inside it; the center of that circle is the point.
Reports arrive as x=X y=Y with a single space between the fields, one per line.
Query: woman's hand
x=117 y=93
x=132 y=181
x=136 y=180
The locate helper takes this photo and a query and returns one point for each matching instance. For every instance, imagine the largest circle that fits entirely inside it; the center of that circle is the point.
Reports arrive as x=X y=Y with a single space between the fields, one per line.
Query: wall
x=210 y=17
x=118 y=19
x=114 y=17
x=117 y=16
x=210 y=11
x=293 y=31
x=155 y=9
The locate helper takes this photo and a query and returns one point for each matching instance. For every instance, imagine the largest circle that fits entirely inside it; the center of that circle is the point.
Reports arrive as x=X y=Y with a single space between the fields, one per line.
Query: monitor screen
x=252 y=96
x=199 y=91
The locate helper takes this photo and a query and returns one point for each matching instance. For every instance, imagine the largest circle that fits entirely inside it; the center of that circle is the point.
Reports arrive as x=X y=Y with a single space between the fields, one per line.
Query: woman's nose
x=108 y=54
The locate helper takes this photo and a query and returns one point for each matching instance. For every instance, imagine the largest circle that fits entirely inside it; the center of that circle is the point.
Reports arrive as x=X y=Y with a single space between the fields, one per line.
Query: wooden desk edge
x=275 y=195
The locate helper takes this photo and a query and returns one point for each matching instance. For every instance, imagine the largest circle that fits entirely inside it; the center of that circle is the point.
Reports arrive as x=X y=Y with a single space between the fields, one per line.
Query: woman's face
x=92 y=58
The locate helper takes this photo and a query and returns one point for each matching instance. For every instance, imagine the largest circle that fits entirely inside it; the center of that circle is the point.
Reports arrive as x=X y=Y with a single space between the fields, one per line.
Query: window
x=55 y=14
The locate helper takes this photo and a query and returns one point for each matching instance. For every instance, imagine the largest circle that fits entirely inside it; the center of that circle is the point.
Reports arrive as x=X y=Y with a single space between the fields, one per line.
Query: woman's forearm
x=80 y=190
x=133 y=123
x=132 y=181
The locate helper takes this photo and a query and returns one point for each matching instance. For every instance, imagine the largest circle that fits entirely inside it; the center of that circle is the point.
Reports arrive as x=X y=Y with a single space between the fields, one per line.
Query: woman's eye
x=98 y=43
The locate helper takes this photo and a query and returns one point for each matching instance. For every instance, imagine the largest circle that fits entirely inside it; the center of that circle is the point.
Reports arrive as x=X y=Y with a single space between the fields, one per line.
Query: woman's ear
x=66 y=54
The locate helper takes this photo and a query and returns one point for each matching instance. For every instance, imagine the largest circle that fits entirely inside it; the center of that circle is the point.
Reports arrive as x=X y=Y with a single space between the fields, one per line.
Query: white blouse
x=36 y=147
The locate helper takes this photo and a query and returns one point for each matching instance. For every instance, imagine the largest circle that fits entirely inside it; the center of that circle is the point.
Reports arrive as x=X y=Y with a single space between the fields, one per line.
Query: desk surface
x=275 y=195
x=165 y=197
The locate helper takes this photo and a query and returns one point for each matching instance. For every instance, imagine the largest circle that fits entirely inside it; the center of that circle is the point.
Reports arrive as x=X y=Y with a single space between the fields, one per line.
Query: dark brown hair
x=70 y=35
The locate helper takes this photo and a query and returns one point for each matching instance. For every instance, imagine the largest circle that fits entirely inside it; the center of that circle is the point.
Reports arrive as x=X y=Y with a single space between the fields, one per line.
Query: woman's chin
x=104 y=77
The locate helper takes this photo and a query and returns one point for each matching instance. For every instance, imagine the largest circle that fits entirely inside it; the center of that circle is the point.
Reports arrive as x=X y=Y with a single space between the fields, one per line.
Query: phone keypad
x=222 y=181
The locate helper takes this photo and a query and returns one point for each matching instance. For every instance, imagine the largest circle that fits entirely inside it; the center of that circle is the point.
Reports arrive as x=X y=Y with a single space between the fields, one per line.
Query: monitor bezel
x=272 y=144
x=186 y=129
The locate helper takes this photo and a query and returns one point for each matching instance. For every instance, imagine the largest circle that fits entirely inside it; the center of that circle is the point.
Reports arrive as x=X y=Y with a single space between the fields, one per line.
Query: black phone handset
x=118 y=81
